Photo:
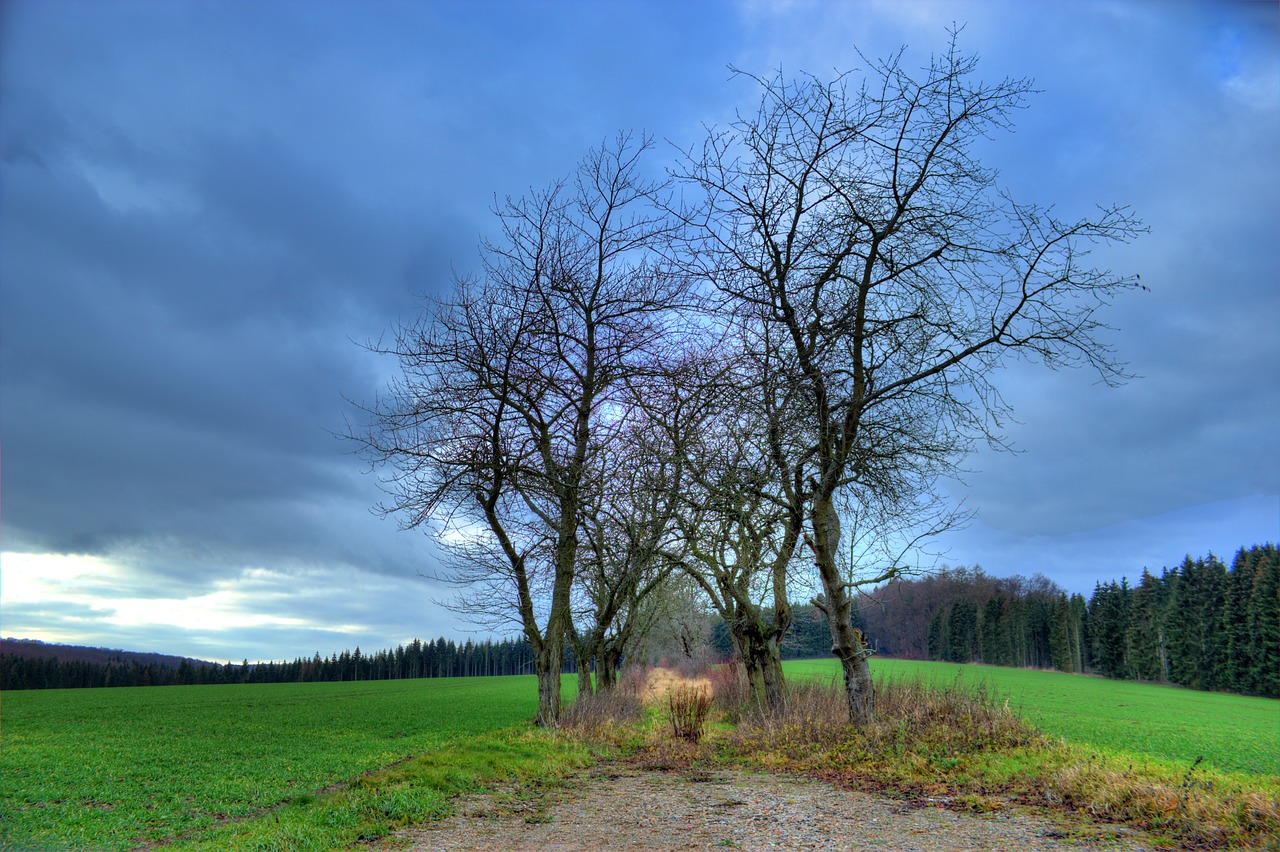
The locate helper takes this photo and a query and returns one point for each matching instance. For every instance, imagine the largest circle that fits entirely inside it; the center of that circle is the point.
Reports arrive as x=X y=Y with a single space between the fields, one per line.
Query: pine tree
x=1195 y=622
x=1110 y=628
x=1236 y=671
x=993 y=633
x=939 y=637
x=1075 y=627
x=1150 y=612
x=1060 y=635
x=963 y=632
x=1264 y=622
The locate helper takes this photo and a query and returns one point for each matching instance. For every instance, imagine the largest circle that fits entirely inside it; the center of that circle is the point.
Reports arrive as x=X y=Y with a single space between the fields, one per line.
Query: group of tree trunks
x=739 y=380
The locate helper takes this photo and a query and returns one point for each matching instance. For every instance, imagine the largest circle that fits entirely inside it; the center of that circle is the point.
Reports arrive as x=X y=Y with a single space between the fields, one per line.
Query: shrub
x=730 y=690
x=931 y=725
x=632 y=680
x=598 y=716
x=688 y=708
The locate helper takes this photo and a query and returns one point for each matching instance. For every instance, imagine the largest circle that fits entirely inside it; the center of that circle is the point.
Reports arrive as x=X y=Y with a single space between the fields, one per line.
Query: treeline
x=965 y=615
x=438 y=658
x=1201 y=625
x=36 y=649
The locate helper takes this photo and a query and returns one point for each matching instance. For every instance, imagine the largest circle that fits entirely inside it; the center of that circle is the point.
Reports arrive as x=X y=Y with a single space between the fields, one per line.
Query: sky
x=206 y=207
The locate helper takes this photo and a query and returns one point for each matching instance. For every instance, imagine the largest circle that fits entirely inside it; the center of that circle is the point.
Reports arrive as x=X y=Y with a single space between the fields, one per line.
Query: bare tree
x=624 y=528
x=674 y=622
x=894 y=277
x=741 y=514
x=509 y=388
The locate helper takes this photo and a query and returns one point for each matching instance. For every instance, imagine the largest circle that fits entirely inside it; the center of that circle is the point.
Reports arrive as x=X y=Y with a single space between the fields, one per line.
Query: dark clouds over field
x=204 y=204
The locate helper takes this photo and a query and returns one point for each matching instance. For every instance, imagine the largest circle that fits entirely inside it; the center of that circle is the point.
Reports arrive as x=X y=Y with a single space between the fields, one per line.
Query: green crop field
x=116 y=768
x=247 y=766
x=1233 y=733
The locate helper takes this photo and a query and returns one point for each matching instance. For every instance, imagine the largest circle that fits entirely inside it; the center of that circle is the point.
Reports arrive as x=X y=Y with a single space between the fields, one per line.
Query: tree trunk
x=751 y=663
x=550 y=655
x=763 y=662
x=583 y=651
x=847 y=642
x=607 y=669
x=771 y=675
x=547 y=663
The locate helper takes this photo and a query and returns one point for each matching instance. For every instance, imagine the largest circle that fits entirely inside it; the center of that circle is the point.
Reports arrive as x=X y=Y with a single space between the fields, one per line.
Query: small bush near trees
x=919 y=723
x=730 y=690
x=687 y=709
x=600 y=715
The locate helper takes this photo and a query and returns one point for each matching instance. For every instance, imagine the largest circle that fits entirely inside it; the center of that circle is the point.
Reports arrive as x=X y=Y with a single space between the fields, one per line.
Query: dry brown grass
x=661 y=681
x=610 y=717
x=688 y=706
x=605 y=716
x=918 y=727
x=1210 y=812
x=956 y=744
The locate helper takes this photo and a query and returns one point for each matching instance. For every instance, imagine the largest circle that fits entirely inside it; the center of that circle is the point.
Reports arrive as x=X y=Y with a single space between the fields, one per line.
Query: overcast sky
x=205 y=205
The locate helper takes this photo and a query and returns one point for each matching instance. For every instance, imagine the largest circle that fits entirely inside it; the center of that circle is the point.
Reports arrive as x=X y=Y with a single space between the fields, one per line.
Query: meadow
x=118 y=768
x=325 y=765
x=1232 y=733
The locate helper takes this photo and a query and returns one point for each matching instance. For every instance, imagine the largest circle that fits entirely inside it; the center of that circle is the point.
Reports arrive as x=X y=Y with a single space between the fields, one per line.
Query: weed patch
x=967 y=747
x=1207 y=809
x=687 y=709
x=606 y=717
x=730 y=690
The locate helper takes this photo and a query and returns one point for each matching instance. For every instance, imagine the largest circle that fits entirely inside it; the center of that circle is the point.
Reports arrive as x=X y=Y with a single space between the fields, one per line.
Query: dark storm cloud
x=204 y=207
x=1176 y=123
x=1172 y=109
x=205 y=204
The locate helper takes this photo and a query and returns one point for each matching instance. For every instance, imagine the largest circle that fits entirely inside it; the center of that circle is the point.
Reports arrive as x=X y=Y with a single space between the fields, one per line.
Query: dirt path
x=616 y=806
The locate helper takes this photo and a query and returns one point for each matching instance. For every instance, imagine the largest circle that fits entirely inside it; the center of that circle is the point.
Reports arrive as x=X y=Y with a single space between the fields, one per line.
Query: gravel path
x=620 y=806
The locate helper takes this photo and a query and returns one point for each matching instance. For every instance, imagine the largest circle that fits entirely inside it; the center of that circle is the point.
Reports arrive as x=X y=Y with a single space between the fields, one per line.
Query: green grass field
x=1233 y=733
x=116 y=768
x=319 y=766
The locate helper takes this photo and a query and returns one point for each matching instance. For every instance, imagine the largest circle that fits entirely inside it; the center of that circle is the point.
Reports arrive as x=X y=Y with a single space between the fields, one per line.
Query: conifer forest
x=1203 y=625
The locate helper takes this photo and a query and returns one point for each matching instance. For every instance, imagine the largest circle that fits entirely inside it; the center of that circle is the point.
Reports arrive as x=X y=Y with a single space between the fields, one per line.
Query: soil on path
x=617 y=806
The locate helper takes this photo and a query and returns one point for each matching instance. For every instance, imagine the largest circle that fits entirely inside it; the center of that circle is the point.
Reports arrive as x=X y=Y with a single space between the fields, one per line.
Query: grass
x=957 y=740
x=410 y=792
x=1193 y=769
x=1232 y=733
x=324 y=766
x=259 y=766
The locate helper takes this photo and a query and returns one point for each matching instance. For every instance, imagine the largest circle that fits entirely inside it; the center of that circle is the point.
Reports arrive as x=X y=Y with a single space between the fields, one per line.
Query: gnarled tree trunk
x=847 y=642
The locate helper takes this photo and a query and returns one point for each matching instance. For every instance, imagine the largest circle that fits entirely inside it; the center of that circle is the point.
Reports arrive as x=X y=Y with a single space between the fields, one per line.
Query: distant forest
x=26 y=664
x=1202 y=625
x=30 y=664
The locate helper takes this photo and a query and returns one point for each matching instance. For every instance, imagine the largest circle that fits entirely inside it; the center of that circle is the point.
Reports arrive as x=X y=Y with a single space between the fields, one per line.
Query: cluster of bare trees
x=739 y=382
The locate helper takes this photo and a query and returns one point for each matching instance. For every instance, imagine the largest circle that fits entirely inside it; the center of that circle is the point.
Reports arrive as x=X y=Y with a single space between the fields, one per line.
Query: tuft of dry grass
x=919 y=734
x=1208 y=811
x=606 y=716
x=688 y=707
x=730 y=690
